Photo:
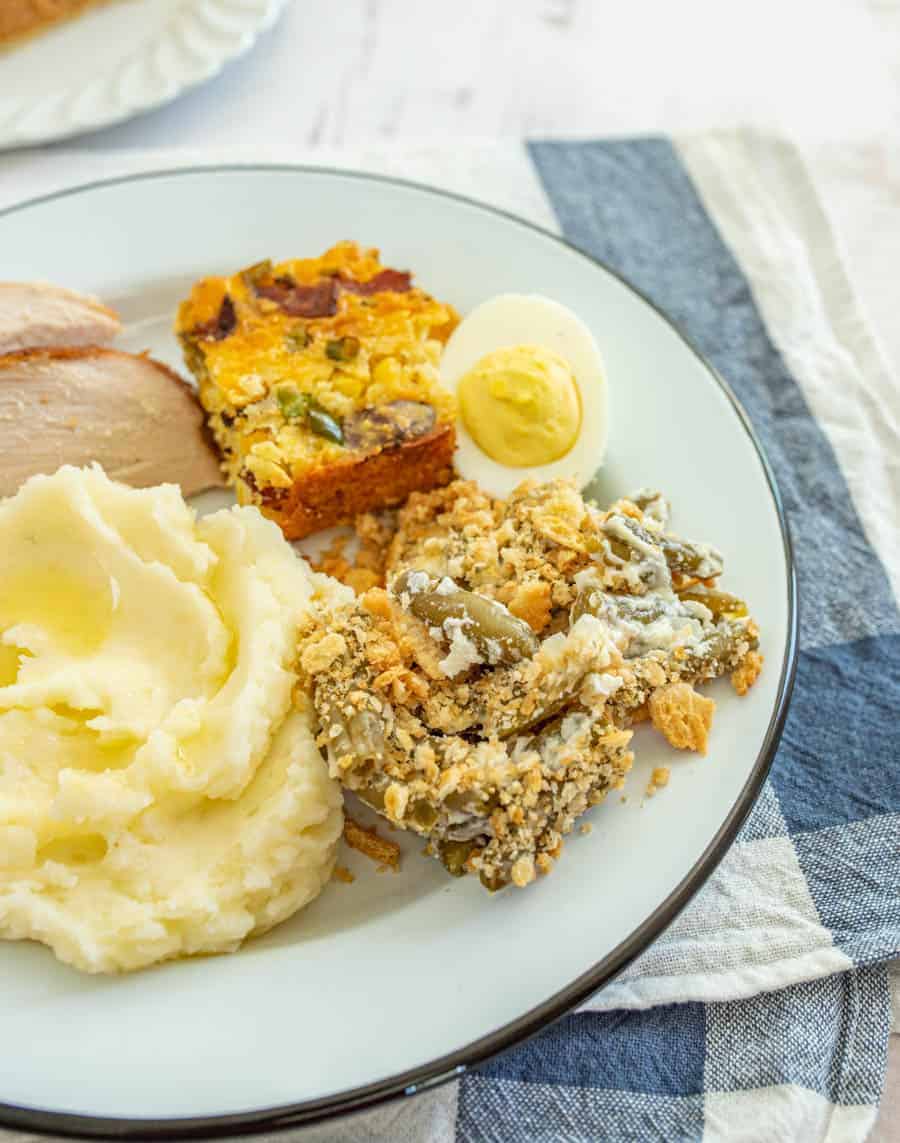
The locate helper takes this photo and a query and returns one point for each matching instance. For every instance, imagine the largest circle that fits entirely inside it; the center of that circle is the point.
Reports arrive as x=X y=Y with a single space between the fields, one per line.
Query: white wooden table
x=363 y=71
x=354 y=71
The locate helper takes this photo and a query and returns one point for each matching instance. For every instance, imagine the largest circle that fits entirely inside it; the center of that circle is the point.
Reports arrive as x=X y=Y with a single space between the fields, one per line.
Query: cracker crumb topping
x=682 y=715
x=658 y=780
x=367 y=842
x=482 y=693
x=747 y=672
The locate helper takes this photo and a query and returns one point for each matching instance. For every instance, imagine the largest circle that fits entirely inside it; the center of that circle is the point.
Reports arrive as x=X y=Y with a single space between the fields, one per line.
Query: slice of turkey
x=134 y=416
x=35 y=314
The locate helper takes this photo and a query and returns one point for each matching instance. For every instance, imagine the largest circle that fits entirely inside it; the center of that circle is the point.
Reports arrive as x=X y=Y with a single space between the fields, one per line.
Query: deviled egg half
x=531 y=391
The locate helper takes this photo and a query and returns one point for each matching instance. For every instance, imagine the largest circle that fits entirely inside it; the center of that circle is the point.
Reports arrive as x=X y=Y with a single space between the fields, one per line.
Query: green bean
x=499 y=636
x=588 y=601
x=374 y=798
x=691 y=559
x=455 y=854
x=468 y=801
x=367 y=733
x=493 y=881
x=362 y=735
x=680 y=555
x=720 y=603
x=652 y=504
x=510 y=724
x=423 y=814
x=604 y=605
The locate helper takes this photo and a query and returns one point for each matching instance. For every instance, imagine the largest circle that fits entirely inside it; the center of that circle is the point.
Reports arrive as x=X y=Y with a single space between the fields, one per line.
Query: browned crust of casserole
x=337 y=493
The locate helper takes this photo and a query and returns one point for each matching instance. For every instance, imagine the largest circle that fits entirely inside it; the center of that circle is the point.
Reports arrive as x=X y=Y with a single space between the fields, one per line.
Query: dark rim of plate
x=451 y=1066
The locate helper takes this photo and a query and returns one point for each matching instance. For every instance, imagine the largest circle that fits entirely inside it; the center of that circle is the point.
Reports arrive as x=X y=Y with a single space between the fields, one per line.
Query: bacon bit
x=397 y=281
x=268 y=494
x=320 y=299
x=341 y=873
x=315 y=301
x=219 y=327
x=367 y=842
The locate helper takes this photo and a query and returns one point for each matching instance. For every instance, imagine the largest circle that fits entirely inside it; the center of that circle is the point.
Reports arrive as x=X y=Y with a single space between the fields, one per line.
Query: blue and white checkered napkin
x=764 y=1012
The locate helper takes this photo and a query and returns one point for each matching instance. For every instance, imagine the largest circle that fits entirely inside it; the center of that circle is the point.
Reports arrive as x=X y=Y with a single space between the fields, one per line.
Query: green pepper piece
x=293 y=404
x=323 y=424
x=296 y=339
x=342 y=349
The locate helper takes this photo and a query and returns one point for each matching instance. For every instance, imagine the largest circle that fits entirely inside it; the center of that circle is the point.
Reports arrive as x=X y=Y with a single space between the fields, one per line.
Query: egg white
x=530 y=319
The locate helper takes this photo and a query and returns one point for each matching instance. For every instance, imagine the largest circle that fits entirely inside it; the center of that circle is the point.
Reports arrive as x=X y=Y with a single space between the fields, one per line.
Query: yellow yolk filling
x=521 y=405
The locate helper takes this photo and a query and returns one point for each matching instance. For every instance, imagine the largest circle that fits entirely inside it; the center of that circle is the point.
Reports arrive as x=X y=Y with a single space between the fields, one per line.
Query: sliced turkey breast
x=134 y=416
x=35 y=314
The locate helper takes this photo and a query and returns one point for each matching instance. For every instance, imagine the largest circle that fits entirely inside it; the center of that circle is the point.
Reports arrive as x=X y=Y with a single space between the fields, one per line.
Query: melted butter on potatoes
x=161 y=793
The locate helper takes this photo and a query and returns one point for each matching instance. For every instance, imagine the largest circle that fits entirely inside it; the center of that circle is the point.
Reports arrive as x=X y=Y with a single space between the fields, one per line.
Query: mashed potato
x=161 y=793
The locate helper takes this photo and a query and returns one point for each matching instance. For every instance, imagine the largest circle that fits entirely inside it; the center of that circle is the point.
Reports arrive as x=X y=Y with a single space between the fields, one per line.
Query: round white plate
x=401 y=980
x=125 y=57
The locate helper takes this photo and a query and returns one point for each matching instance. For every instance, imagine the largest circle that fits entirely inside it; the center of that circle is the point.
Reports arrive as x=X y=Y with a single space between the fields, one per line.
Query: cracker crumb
x=365 y=569
x=658 y=780
x=396 y=799
x=367 y=842
x=361 y=579
x=377 y=603
x=343 y=874
x=514 y=751
x=747 y=672
x=332 y=561
x=523 y=872
x=532 y=603
x=682 y=715
x=586 y=828
x=319 y=656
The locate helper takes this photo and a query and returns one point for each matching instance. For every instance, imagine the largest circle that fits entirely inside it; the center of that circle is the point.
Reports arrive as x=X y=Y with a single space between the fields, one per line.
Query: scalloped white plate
x=125 y=57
